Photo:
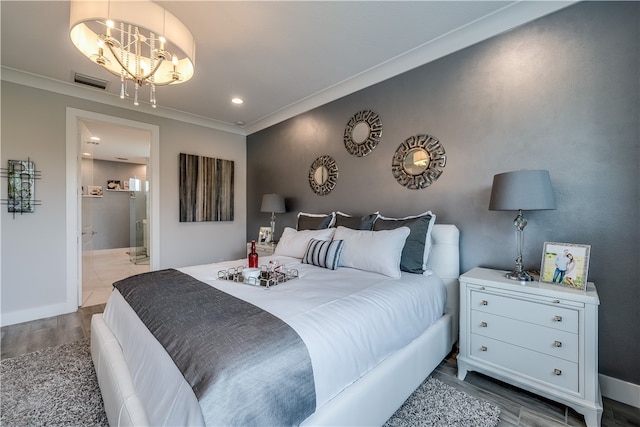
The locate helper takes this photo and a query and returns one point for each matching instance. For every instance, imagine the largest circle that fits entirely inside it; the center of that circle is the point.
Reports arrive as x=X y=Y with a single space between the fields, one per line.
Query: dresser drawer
x=542 y=339
x=541 y=367
x=540 y=312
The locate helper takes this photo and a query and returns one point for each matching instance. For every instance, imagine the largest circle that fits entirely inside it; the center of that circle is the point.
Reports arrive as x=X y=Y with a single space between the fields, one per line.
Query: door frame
x=74 y=194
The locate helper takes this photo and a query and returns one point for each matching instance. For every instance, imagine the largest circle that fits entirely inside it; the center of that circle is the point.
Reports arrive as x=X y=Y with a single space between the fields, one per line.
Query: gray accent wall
x=561 y=93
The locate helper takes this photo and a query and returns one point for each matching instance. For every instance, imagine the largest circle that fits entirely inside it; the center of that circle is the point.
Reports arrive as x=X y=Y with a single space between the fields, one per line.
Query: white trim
x=73 y=195
x=508 y=17
x=96 y=95
x=21 y=316
x=512 y=15
x=620 y=391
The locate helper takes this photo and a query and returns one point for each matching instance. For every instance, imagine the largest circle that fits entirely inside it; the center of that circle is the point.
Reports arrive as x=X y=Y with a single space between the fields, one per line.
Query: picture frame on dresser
x=264 y=235
x=565 y=264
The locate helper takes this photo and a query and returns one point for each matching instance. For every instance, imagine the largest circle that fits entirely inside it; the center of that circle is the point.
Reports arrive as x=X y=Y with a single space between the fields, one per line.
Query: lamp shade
x=272 y=203
x=527 y=190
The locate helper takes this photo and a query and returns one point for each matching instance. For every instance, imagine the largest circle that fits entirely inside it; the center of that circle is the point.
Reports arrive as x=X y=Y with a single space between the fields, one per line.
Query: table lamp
x=273 y=203
x=524 y=190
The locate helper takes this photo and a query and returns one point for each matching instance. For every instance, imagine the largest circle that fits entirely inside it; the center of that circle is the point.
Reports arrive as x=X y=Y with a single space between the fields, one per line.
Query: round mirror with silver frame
x=362 y=133
x=418 y=161
x=323 y=175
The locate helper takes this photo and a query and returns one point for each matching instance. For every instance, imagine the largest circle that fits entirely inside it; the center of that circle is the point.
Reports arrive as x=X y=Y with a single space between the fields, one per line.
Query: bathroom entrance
x=115 y=208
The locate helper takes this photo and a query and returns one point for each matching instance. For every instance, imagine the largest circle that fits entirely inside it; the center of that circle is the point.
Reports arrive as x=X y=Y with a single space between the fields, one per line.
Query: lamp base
x=521 y=276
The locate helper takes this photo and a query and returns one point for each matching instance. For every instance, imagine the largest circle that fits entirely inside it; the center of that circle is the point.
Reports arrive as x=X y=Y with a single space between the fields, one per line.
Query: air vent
x=90 y=81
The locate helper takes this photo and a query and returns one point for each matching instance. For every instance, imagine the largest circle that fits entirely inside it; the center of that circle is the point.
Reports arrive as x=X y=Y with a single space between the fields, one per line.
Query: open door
x=138 y=223
x=89 y=195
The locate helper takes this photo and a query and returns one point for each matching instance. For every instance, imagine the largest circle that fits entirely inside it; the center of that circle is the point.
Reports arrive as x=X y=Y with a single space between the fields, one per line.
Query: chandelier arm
x=141 y=79
x=152 y=72
x=133 y=76
x=164 y=83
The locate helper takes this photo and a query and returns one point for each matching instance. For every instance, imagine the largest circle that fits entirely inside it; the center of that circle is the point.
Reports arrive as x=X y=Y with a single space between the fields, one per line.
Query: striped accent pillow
x=323 y=253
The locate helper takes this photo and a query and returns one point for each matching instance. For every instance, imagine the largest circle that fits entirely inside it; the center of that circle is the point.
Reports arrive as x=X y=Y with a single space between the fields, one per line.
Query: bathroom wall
x=109 y=215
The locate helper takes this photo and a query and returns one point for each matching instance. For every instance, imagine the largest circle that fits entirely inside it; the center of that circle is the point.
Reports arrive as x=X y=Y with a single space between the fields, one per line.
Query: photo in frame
x=264 y=235
x=94 y=190
x=565 y=264
x=114 y=184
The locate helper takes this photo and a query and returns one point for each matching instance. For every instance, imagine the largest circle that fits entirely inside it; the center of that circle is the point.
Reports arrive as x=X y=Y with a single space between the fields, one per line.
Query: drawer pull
x=483 y=324
x=483 y=348
x=557 y=372
x=557 y=318
x=485 y=302
x=557 y=344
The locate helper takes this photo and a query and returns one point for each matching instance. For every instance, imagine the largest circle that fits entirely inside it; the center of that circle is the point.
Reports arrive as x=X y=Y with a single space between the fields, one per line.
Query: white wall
x=34 y=249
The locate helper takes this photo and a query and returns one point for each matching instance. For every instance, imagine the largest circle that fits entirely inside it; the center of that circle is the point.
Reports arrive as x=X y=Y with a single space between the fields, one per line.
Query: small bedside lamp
x=528 y=190
x=273 y=203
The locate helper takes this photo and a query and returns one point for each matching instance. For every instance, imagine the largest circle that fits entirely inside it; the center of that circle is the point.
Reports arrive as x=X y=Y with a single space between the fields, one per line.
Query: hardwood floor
x=518 y=407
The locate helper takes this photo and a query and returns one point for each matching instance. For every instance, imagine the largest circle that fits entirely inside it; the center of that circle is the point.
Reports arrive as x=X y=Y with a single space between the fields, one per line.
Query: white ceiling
x=282 y=58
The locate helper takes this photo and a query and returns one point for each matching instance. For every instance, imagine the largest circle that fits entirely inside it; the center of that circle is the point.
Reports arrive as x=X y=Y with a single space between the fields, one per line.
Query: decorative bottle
x=253 y=256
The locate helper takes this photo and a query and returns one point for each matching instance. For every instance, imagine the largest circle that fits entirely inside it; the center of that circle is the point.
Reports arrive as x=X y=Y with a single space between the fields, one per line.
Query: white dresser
x=537 y=336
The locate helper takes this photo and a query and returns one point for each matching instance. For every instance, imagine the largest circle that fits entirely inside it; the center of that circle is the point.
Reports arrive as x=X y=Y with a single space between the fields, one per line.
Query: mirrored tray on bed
x=266 y=276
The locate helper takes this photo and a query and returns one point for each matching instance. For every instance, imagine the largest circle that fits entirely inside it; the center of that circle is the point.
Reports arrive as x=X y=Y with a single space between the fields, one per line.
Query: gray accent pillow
x=308 y=221
x=355 y=222
x=413 y=258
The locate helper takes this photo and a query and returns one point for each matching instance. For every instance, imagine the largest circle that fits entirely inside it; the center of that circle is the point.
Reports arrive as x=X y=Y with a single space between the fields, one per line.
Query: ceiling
x=282 y=58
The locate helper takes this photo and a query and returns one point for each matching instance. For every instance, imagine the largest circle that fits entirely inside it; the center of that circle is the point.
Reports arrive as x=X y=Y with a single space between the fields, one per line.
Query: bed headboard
x=444 y=260
x=444 y=257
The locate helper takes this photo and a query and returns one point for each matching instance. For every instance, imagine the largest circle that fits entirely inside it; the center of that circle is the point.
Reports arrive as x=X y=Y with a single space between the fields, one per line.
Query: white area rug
x=57 y=386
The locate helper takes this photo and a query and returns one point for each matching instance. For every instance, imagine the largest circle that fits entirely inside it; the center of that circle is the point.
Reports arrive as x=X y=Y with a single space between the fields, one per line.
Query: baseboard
x=21 y=316
x=619 y=390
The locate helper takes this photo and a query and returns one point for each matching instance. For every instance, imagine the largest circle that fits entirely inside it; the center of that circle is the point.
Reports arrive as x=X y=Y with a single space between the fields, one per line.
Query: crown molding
x=96 y=95
x=512 y=15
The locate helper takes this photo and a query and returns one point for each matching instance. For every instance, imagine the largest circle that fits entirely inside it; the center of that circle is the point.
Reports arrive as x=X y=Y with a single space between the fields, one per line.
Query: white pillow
x=375 y=251
x=294 y=243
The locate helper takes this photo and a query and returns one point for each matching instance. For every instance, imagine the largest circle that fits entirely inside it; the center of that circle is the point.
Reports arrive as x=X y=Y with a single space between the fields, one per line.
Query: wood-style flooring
x=518 y=407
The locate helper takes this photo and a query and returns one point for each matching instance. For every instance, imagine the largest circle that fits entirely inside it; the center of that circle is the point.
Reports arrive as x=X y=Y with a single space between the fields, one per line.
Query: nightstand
x=263 y=249
x=534 y=335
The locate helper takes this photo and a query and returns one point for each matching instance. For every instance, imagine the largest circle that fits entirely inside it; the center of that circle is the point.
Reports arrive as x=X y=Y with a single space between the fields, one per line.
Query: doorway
x=114 y=206
x=101 y=183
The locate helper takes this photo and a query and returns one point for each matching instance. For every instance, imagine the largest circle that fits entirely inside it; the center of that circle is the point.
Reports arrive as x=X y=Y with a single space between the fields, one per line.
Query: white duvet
x=350 y=320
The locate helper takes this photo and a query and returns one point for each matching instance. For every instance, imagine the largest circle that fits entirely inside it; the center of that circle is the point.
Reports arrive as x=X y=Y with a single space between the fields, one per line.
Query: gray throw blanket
x=246 y=366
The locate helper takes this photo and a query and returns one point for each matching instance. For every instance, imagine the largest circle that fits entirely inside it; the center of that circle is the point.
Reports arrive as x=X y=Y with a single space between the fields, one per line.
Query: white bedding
x=350 y=320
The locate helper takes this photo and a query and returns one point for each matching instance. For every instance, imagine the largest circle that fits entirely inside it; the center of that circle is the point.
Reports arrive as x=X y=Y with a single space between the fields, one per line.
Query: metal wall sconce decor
x=323 y=175
x=418 y=161
x=362 y=133
x=21 y=176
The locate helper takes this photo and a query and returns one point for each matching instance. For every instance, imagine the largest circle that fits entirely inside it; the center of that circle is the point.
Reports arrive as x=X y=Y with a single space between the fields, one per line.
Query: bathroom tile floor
x=103 y=267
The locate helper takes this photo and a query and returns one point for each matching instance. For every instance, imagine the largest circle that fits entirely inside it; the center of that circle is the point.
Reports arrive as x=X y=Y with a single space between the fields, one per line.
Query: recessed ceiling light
x=86 y=154
x=237 y=100
x=240 y=123
x=94 y=138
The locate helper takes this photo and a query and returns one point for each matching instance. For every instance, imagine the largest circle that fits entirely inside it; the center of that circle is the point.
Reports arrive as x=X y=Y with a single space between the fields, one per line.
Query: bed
x=141 y=384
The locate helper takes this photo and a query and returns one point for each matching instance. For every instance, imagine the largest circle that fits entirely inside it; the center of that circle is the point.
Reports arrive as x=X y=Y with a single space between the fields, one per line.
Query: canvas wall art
x=206 y=188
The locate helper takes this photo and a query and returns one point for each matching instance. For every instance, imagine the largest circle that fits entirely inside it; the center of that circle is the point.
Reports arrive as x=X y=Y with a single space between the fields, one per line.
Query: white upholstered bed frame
x=369 y=401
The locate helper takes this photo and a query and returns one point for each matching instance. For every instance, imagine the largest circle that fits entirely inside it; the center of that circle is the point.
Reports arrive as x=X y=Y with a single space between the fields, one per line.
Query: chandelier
x=137 y=41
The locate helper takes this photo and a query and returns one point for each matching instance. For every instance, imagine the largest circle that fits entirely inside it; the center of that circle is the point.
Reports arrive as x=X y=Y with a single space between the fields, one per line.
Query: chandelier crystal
x=137 y=41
